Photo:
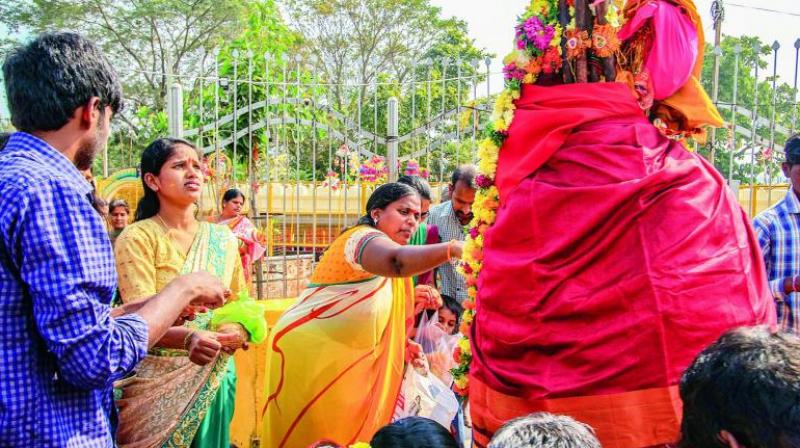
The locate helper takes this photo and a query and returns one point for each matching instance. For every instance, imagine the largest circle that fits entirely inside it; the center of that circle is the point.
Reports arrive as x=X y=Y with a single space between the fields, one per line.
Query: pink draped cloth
x=617 y=255
x=676 y=41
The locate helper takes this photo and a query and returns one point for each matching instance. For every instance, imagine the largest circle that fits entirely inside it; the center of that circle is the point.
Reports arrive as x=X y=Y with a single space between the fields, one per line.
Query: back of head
x=747 y=384
x=47 y=79
x=421 y=185
x=413 y=432
x=543 y=430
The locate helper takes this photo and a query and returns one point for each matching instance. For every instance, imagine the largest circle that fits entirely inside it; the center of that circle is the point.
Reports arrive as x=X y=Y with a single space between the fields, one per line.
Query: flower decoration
x=332 y=180
x=413 y=169
x=374 y=170
x=605 y=41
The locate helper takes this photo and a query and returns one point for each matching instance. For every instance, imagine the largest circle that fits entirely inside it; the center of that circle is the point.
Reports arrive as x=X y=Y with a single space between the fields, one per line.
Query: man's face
x=97 y=139
x=462 y=197
x=792 y=171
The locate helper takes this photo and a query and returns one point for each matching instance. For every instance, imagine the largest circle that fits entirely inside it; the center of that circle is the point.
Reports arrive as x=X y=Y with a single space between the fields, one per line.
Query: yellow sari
x=171 y=402
x=335 y=359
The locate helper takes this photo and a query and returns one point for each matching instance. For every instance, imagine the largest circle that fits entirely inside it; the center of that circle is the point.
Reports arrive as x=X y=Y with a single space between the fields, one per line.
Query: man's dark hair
x=421 y=185
x=543 y=430
x=413 y=432
x=792 y=150
x=47 y=79
x=748 y=384
x=466 y=174
x=4 y=137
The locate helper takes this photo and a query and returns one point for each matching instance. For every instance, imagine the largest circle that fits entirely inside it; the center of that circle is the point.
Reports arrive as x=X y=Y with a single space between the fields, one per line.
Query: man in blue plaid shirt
x=61 y=345
x=778 y=232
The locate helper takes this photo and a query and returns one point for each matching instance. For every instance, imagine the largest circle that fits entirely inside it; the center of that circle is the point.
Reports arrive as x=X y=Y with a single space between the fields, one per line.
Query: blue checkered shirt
x=60 y=351
x=778 y=232
x=444 y=218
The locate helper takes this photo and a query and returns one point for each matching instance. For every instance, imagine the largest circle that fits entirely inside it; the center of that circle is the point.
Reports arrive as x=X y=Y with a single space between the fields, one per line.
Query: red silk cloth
x=616 y=256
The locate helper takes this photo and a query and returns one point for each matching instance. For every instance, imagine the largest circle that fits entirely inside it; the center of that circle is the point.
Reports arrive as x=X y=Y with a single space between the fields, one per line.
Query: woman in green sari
x=182 y=394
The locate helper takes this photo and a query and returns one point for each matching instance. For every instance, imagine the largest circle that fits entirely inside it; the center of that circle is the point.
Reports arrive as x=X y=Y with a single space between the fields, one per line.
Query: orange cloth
x=630 y=419
x=336 y=357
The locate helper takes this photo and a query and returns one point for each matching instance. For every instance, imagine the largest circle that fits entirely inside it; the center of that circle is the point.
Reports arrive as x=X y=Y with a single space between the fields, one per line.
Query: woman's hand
x=426 y=298
x=232 y=336
x=203 y=347
x=416 y=356
x=456 y=248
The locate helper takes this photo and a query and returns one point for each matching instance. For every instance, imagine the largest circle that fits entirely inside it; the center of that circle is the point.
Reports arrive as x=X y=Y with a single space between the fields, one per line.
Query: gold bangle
x=449 y=246
x=187 y=339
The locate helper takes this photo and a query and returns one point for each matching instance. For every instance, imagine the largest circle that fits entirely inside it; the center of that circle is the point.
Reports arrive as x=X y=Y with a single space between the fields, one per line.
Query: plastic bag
x=438 y=346
x=424 y=395
x=244 y=311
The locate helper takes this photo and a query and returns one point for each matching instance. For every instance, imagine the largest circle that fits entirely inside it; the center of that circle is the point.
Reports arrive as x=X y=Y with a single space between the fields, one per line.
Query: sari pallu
x=170 y=401
x=335 y=359
x=253 y=250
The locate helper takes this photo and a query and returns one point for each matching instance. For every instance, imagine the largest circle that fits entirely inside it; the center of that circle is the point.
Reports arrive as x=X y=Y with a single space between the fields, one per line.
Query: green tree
x=781 y=100
x=147 y=40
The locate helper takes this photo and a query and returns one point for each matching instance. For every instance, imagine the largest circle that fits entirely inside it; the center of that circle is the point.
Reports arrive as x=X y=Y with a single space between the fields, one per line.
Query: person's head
x=62 y=86
x=424 y=190
x=325 y=444
x=444 y=196
x=450 y=314
x=462 y=192
x=394 y=209
x=743 y=391
x=171 y=174
x=543 y=430
x=791 y=165
x=119 y=213
x=232 y=203
x=101 y=206
x=413 y=432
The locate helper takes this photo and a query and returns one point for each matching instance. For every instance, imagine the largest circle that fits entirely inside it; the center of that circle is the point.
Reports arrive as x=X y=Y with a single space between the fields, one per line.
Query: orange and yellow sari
x=337 y=352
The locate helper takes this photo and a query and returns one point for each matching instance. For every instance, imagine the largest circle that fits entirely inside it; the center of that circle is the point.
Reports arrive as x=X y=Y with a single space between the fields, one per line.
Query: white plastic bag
x=424 y=395
x=438 y=346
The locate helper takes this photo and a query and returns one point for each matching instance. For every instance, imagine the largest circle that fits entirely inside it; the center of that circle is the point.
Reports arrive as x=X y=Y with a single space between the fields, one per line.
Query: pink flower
x=512 y=72
x=537 y=33
x=484 y=181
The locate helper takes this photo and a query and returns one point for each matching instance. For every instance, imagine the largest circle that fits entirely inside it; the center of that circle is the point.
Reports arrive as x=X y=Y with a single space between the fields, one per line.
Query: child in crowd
x=450 y=314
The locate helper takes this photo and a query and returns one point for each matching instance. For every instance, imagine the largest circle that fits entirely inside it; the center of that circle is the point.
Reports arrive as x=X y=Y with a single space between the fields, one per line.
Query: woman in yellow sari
x=336 y=358
x=183 y=393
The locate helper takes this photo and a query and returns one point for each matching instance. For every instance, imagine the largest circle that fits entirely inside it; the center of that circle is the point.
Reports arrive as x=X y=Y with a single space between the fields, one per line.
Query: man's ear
x=729 y=440
x=90 y=112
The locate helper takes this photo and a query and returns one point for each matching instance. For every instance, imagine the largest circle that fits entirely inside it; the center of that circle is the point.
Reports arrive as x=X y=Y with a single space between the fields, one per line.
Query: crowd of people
x=361 y=357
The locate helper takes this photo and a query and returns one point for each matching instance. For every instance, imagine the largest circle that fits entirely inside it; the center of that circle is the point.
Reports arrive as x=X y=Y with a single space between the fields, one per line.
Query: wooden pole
x=582 y=23
x=563 y=19
x=608 y=64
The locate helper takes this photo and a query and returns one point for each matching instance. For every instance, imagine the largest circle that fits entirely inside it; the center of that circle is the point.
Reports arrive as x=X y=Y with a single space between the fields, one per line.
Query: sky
x=491 y=24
